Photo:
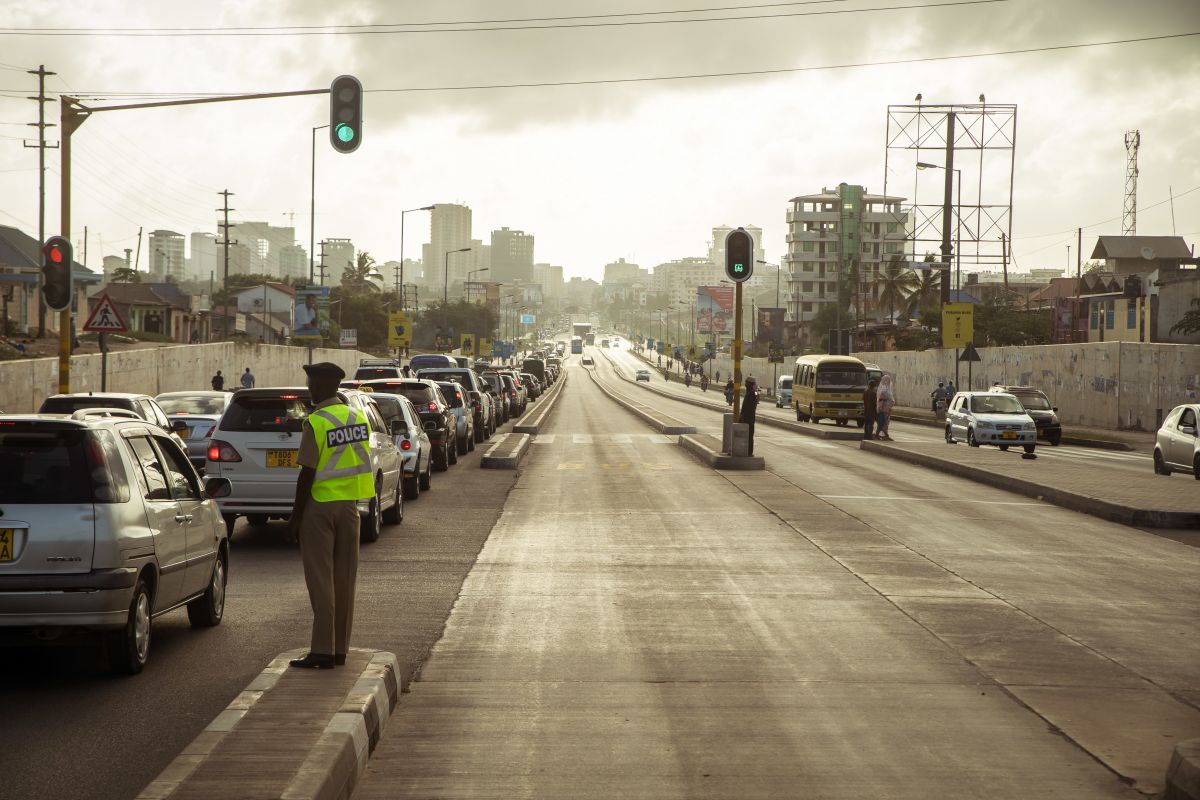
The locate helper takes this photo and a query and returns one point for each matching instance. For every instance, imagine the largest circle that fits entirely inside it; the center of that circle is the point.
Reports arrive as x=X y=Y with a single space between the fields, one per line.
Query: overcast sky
x=596 y=172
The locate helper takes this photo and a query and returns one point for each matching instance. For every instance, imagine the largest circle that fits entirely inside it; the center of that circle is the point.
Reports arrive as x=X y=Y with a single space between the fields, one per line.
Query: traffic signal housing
x=345 y=113
x=739 y=255
x=57 y=256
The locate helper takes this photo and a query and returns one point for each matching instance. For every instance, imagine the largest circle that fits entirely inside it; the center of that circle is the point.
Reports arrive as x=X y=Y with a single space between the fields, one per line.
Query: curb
x=1079 y=441
x=708 y=450
x=1183 y=773
x=816 y=431
x=532 y=421
x=1094 y=506
x=507 y=451
x=661 y=424
x=334 y=764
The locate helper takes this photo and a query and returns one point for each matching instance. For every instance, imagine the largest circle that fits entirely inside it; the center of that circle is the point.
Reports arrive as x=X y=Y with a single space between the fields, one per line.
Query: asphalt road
x=70 y=730
x=638 y=625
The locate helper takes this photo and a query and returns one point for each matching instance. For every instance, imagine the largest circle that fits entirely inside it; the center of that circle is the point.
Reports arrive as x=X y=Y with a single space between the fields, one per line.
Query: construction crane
x=1133 y=140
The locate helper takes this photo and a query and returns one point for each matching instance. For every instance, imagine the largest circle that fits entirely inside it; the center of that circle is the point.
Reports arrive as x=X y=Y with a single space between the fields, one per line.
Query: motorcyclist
x=939 y=398
x=729 y=392
x=704 y=383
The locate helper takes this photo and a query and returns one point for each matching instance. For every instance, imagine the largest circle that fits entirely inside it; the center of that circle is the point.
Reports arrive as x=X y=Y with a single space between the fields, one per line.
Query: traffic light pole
x=73 y=114
x=737 y=352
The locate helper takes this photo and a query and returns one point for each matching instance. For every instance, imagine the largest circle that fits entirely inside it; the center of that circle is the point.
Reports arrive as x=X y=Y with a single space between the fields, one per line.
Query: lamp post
x=778 y=275
x=312 y=208
x=957 y=234
x=467 y=286
x=400 y=287
x=446 y=289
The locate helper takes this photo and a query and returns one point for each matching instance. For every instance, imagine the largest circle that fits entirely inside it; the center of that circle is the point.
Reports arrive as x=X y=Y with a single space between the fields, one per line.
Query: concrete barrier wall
x=25 y=384
x=1115 y=385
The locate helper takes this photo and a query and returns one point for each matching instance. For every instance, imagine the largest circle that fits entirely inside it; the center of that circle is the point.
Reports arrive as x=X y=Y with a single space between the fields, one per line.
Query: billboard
x=399 y=330
x=312 y=312
x=769 y=325
x=528 y=319
x=348 y=337
x=958 y=324
x=466 y=344
x=714 y=309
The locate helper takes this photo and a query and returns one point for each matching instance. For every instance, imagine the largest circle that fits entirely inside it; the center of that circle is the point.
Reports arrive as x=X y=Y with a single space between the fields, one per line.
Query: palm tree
x=895 y=283
x=354 y=279
x=926 y=291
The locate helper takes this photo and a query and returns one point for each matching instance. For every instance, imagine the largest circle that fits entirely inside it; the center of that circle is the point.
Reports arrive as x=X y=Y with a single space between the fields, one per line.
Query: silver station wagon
x=104 y=525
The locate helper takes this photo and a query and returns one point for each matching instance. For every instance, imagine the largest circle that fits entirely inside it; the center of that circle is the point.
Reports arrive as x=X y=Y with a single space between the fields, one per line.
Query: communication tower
x=1133 y=140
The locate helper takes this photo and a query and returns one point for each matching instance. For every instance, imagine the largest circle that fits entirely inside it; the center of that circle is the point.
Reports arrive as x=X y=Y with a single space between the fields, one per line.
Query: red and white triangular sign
x=105 y=318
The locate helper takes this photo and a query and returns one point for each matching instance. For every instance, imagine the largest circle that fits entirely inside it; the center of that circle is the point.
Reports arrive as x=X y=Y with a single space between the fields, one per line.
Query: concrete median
x=707 y=449
x=506 y=452
x=660 y=422
x=533 y=419
x=291 y=733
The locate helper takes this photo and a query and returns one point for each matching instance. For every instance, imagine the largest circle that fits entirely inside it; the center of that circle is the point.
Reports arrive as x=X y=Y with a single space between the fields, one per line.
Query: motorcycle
x=704 y=383
x=939 y=409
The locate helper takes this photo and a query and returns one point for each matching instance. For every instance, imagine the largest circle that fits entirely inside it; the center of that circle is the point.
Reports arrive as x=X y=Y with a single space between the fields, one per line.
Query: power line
x=101 y=95
x=1095 y=224
x=226 y=32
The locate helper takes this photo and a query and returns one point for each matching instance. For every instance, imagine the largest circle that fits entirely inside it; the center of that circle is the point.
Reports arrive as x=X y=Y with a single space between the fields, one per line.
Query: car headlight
x=1029 y=426
x=984 y=424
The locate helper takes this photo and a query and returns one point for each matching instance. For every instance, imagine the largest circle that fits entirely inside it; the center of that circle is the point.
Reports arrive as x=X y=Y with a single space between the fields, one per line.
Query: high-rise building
x=512 y=256
x=293 y=262
x=167 y=256
x=449 y=230
x=835 y=235
x=202 y=255
x=265 y=243
x=676 y=281
x=339 y=254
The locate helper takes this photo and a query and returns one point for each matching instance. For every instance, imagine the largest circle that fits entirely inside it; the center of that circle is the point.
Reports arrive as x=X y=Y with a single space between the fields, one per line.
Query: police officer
x=335 y=473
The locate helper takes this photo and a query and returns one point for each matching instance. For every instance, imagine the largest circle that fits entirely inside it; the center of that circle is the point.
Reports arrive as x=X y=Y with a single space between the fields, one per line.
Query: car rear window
x=453 y=393
x=276 y=412
x=69 y=405
x=46 y=466
x=371 y=373
x=418 y=393
x=192 y=404
x=455 y=375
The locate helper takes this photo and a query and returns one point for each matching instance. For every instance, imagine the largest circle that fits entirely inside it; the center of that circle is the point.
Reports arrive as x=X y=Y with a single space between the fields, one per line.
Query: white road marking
x=581 y=438
x=925 y=499
x=620 y=438
x=544 y=439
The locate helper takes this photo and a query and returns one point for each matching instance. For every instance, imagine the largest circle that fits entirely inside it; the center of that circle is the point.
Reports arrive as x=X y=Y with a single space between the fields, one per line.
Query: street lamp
x=446 y=288
x=467 y=287
x=778 y=275
x=400 y=288
x=923 y=165
x=312 y=208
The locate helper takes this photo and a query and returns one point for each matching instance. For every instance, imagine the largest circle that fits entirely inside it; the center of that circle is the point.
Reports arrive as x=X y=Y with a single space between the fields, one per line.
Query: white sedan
x=1176 y=446
x=990 y=418
x=643 y=375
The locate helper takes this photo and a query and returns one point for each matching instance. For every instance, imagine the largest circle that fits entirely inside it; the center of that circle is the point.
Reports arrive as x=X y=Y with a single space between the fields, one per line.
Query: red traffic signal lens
x=56 y=255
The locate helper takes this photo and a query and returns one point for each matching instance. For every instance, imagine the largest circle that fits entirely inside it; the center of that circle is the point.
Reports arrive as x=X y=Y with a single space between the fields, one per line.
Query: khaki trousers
x=329 y=550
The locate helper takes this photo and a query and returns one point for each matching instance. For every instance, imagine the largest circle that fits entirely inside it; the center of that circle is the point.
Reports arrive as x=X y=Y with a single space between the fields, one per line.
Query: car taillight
x=432 y=406
x=514 y=394
x=222 y=451
x=405 y=444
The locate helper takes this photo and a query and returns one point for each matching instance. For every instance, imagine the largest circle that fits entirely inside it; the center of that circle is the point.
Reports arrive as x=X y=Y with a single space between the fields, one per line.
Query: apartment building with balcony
x=838 y=232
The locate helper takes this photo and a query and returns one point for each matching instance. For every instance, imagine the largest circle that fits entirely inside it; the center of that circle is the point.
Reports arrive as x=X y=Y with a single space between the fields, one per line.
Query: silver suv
x=104 y=525
x=255 y=443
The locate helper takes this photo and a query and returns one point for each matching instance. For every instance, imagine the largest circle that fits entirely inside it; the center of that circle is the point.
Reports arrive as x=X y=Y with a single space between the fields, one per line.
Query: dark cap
x=325 y=369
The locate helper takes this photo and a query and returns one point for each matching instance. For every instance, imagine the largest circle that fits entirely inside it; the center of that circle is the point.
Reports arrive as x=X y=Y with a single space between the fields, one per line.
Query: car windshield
x=40 y=465
x=1037 y=402
x=274 y=412
x=192 y=404
x=69 y=405
x=996 y=404
x=843 y=378
x=418 y=393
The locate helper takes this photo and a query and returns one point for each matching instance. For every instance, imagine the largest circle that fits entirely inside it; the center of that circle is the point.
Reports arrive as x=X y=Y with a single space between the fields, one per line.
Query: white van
x=783 y=392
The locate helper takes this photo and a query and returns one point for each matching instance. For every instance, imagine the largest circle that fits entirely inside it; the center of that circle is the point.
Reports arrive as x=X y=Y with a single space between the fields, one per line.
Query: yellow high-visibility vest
x=344 y=465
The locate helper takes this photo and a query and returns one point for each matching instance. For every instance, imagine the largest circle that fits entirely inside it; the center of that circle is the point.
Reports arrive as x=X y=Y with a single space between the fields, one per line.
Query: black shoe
x=340 y=659
x=313 y=661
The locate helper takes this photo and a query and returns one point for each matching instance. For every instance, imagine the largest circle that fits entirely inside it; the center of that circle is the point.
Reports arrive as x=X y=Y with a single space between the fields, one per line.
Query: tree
x=926 y=292
x=1189 y=322
x=998 y=324
x=895 y=283
x=125 y=275
x=1091 y=267
x=355 y=278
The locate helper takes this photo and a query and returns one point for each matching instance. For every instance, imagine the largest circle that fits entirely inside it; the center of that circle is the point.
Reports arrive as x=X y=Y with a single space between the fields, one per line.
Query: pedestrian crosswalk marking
x=610 y=438
x=582 y=438
x=547 y=438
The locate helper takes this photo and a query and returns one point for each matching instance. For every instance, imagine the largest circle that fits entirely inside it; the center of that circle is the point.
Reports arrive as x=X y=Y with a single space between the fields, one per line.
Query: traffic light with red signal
x=57 y=256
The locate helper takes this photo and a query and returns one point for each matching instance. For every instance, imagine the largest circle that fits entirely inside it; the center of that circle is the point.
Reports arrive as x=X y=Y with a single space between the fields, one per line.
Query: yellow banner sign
x=958 y=324
x=467 y=344
x=399 y=330
x=484 y=346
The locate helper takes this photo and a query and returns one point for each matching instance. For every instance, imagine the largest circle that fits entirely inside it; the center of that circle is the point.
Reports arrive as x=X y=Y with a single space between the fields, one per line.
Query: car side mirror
x=1054 y=409
x=1190 y=430
x=397 y=428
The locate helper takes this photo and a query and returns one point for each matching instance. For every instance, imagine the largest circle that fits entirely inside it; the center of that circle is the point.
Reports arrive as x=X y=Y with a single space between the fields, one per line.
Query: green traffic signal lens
x=345 y=133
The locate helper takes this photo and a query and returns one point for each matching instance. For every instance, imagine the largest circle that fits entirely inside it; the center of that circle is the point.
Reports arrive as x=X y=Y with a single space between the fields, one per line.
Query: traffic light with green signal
x=57 y=255
x=739 y=255
x=345 y=113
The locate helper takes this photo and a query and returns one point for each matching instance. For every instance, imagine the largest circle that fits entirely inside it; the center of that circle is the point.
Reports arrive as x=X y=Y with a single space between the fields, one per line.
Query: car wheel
x=395 y=514
x=472 y=439
x=1054 y=439
x=257 y=520
x=971 y=438
x=464 y=444
x=230 y=522
x=452 y=451
x=843 y=423
x=1029 y=449
x=412 y=487
x=207 y=610
x=370 y=525
x=441 y=461
x=129 y=647
x=427 y=478
x=949 y=436
x=1003 y=447
x=1160 y=466
x=1196 y=468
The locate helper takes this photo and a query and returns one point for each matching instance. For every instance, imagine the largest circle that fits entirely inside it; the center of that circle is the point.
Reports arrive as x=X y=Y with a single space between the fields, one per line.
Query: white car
x=990 y=418
x=643 y=375
x=587 y=361
x=1177 y=446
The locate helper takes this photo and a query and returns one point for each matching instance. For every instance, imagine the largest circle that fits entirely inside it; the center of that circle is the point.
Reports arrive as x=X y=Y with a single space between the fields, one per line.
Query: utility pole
x=41 y=146
x=225 y=242
x=321 y=266
x=137 y=261
x=1004 y=261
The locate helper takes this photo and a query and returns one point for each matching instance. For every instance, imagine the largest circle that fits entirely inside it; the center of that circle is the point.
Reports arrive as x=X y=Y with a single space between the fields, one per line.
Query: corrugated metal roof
x=1131 y=247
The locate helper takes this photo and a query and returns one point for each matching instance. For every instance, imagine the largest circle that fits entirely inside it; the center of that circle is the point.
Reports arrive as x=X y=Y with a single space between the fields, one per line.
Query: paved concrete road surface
x=640 y=626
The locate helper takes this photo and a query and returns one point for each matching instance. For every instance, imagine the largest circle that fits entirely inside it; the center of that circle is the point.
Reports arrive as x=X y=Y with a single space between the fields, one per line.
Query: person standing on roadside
x=248 y=379
x=335 y=474
x=218 y=382
x=870 y=409
x=750 y=411
x=885 y=401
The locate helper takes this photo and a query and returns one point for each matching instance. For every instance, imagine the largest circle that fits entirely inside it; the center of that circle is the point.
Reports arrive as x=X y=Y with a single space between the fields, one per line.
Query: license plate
x=841 y=413
x=6 y=544
x=281 y=458
x=1008 y=435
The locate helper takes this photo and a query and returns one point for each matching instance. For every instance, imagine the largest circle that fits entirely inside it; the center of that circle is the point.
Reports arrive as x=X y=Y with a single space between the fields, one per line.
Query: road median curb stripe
x=334 y=764
x=507 y=451
x=707 y=448
x=661 y=423
x=1094 y=506
x=532 y=421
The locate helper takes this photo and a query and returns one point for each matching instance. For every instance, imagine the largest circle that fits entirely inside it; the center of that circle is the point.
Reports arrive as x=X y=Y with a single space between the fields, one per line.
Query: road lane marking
x=571 y=465
x=546 y=439
x=927 y=499
x=582 y=438
x=620 y=438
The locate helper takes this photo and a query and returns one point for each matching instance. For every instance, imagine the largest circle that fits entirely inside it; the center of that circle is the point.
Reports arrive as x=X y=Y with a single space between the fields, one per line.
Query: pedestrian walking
x=729 y=391
x=870 y=409
x=885 y=401
x=750 y=410
x=248 y=379
x=218 y=382
x=335 y=473
x=951 y=389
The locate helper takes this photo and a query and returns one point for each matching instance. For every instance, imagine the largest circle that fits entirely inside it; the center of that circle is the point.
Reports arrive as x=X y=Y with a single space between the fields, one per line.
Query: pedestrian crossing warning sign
x=104 y=317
